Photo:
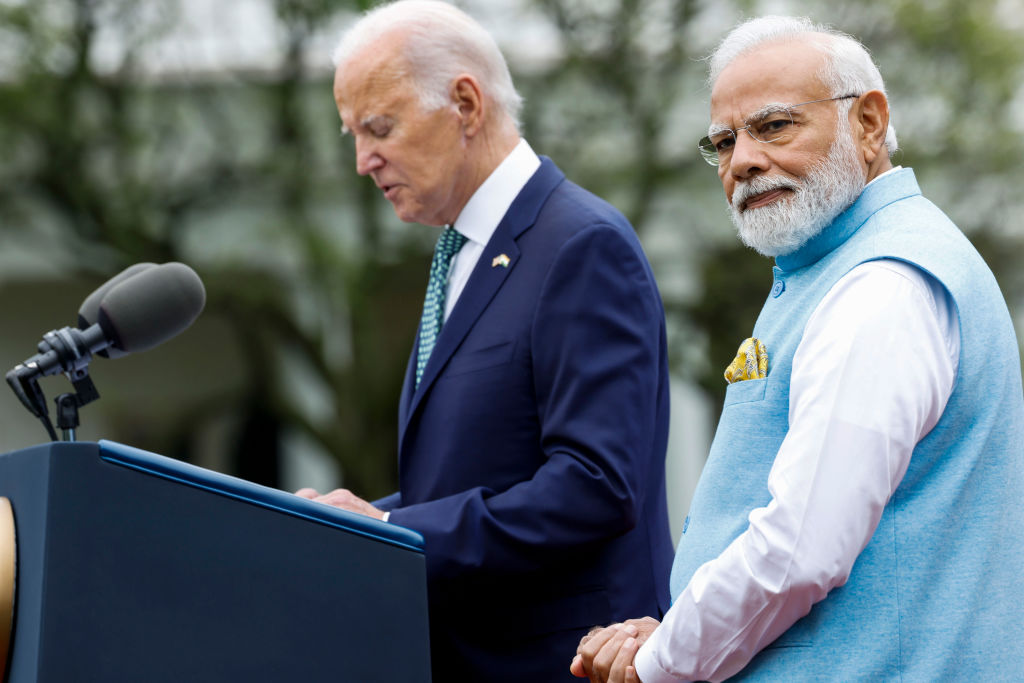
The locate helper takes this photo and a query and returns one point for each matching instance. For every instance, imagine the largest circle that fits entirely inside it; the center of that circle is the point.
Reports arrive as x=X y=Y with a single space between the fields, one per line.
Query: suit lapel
x=485 y=281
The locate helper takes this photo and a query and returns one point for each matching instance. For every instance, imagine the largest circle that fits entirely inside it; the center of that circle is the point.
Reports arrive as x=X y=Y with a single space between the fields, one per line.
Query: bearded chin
x=827 y=190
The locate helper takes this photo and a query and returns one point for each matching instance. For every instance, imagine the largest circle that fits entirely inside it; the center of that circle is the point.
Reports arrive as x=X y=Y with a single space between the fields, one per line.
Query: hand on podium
x=344 y=499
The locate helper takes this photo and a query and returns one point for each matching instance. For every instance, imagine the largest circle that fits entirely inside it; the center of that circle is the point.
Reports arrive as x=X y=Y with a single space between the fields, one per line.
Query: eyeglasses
x=771 y=124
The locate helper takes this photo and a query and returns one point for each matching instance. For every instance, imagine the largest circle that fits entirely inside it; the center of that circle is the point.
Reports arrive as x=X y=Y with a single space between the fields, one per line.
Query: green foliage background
x=110 y=156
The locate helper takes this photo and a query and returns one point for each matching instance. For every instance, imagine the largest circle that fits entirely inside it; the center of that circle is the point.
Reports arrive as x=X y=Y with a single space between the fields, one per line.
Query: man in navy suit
x=532 y=436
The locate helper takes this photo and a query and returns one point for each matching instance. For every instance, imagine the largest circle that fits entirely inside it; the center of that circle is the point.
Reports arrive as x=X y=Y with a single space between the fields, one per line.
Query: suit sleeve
x=388 y=502
x=598 y=350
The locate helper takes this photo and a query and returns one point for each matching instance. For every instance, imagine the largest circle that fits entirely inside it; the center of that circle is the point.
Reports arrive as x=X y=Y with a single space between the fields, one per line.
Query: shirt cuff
x=387 y=513
x=647 y=668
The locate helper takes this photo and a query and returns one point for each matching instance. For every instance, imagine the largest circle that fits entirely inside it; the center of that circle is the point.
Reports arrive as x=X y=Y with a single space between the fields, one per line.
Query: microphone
x=141 y=307
x=151 y=307
x=89 y=311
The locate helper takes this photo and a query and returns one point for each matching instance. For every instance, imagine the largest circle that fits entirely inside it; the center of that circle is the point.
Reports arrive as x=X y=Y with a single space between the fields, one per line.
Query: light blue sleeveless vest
x=938 y=593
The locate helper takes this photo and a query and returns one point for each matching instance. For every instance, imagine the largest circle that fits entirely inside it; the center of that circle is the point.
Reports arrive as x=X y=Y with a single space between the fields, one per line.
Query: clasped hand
x=605 y=655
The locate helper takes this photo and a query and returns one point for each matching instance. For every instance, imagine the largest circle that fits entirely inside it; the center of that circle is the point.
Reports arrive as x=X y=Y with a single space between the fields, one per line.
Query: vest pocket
x=746 y=391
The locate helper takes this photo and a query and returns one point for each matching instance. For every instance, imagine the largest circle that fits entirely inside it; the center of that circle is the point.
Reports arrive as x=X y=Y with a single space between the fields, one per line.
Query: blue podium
x=135 y=567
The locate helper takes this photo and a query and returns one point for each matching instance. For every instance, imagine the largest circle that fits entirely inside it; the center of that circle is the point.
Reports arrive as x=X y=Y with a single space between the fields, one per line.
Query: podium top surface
x=256 y=494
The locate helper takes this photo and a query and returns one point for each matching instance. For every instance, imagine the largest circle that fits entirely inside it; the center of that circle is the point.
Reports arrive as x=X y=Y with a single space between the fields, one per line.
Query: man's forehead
x=766 y=79
x=365 y=91
x=785 y=59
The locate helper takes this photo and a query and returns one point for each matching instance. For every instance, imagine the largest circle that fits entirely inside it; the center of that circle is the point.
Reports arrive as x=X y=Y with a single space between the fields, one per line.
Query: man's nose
x=368 y=159
x=749 y=156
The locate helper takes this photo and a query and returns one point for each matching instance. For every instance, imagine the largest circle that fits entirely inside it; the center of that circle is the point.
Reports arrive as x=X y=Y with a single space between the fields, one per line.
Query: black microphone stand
x=69 y=403
x=24 y=380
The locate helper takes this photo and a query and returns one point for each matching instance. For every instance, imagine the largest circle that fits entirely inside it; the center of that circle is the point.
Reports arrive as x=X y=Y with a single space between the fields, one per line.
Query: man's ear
x=469 y=103
x=870 y=122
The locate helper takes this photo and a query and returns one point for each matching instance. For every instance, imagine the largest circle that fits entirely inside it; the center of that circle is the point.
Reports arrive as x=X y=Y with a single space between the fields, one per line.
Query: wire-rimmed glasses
x=772 y=123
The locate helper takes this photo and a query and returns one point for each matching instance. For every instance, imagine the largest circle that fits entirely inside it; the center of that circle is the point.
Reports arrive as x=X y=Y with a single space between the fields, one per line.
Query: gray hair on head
x=441 y=43
x=848 y=66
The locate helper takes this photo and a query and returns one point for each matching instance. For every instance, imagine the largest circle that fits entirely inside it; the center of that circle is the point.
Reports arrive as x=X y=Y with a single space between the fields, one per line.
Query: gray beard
x=785 y=225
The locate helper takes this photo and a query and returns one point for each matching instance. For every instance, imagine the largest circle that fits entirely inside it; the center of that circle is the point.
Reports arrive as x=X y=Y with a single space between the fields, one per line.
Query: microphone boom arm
x=24 y=380
x=67 y=350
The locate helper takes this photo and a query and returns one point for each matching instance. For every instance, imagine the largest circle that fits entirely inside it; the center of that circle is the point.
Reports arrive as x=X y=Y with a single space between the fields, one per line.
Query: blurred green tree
x=111 y=157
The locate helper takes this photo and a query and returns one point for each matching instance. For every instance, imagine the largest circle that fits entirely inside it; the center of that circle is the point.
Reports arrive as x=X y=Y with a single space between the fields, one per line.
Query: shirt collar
x=882 y=175
x=480 y=217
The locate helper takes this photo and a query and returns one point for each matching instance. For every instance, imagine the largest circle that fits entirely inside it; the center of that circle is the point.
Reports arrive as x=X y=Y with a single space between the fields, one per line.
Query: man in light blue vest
x=861 y=513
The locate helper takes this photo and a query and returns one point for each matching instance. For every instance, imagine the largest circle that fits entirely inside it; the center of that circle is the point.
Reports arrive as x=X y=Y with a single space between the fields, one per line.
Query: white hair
x=440 y=43
x=848 y=69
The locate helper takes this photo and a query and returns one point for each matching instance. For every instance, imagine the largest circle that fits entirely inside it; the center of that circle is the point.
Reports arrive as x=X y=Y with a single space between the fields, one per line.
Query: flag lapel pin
x=501 y=260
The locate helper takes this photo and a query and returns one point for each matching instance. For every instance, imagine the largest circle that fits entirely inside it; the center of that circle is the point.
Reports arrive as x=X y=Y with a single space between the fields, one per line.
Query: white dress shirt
x=480 y=217
x=871 y=377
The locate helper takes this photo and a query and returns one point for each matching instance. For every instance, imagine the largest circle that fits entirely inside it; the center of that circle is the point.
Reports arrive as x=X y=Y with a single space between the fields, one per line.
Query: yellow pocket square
x=751 y=362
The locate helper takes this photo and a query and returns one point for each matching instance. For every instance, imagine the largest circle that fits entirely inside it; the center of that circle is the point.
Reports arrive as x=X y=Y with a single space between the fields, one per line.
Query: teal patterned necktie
x=448 y=244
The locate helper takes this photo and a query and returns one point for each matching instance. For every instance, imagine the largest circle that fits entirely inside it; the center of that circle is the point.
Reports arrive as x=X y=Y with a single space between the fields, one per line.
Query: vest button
x=778 y=289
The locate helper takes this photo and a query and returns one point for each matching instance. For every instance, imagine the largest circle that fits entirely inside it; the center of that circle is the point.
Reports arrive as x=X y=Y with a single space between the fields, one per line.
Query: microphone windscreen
x=151 y=306
x=89 y=311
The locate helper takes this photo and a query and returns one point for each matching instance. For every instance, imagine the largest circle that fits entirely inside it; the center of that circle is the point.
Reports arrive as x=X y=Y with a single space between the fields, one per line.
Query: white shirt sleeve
x=871 y=377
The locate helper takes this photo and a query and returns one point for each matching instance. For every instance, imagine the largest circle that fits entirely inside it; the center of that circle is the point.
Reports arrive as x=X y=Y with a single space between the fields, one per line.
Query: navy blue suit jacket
x=532 y=455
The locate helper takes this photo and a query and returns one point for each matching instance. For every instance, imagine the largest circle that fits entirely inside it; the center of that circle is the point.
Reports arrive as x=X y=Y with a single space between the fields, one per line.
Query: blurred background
x=206 y=132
